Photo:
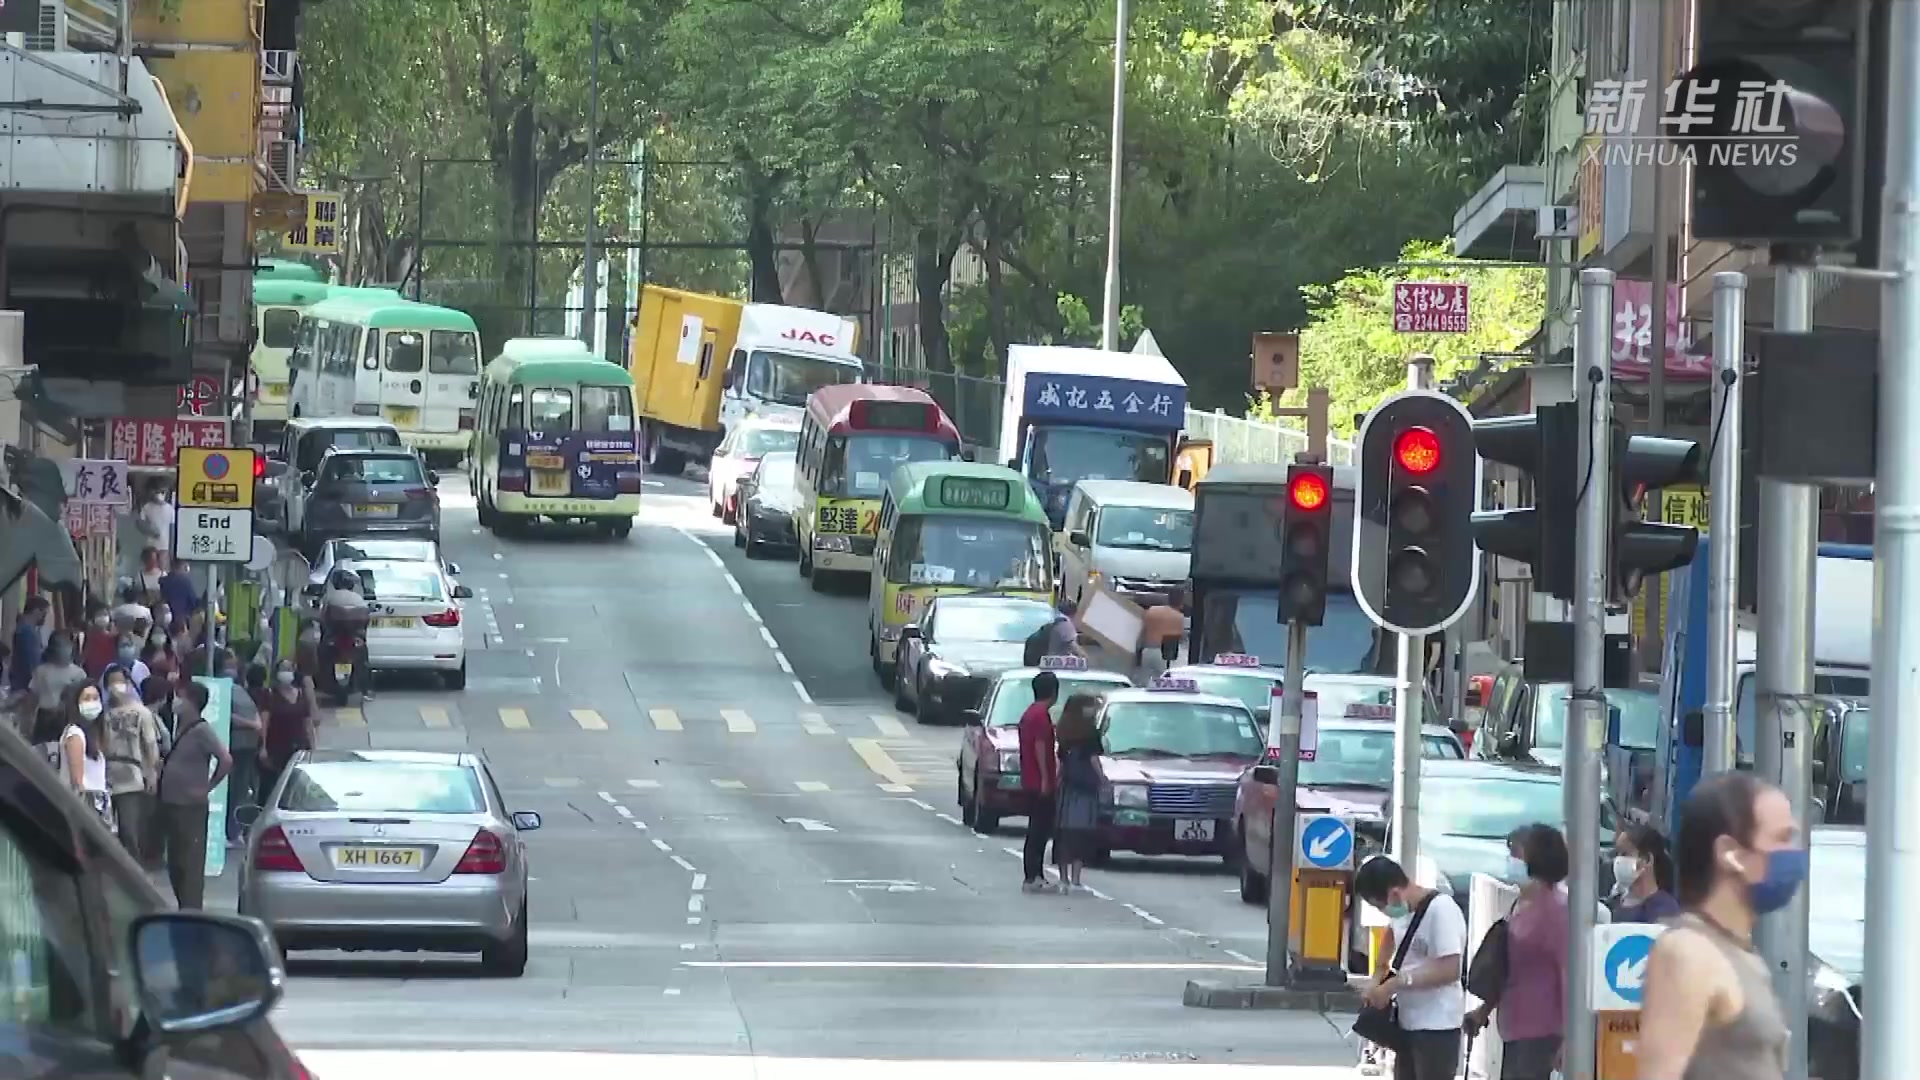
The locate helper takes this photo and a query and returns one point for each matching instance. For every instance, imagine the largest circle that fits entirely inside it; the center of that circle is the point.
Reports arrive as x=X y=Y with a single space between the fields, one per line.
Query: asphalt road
x=750 y=864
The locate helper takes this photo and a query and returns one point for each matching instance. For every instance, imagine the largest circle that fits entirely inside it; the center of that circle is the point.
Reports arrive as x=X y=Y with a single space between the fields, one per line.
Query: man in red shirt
x=1039 y=775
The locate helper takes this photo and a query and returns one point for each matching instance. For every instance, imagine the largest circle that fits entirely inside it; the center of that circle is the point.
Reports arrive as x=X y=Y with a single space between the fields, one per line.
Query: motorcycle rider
x=344 y=607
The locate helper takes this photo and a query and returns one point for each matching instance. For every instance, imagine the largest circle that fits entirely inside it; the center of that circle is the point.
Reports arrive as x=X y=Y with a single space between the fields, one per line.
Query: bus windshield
x=787 y=379
x=453 y=352
x=959 y=549
x=859 y=465
x=606 y=408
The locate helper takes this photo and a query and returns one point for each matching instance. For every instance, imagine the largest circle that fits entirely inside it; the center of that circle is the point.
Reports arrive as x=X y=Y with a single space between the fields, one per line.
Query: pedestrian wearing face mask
x=243 y=740
x=1428 y=940
x=193 y=768
x=97 y=648
x=126 y=660
x=1709 y=1011
x=56 y=675
x=1643 y=877
x=72 y=737
x=1532 y=1001
x=133 y=763
x=290 y=723
x=157 y=655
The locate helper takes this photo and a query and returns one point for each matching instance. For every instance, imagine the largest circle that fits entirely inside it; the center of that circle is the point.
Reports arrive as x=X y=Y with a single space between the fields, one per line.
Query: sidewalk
x=223 y=892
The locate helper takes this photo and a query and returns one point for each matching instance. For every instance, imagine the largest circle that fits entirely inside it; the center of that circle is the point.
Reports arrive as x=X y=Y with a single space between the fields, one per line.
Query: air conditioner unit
x=281 y=159
x=1557 y=223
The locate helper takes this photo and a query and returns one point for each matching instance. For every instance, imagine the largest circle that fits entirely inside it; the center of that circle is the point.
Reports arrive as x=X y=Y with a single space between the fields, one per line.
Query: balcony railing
x=278 y=65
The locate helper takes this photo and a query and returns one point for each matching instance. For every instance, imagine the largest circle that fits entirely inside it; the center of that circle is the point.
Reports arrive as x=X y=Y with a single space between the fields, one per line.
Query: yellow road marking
x=878 y=760
x=738 y=722
x=589 y=719
x=665 y=719
x=730 y=785
x=435 y=716
x=890 y=726
x=811 y=785
x=815 y=724
x=350 y=717
x=515 y=719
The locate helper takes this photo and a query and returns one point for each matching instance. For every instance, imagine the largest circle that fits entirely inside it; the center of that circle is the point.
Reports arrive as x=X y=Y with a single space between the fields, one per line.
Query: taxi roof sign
x=1234 y=659
x=1174 y=684
x=216 y=477
x=1063 y=663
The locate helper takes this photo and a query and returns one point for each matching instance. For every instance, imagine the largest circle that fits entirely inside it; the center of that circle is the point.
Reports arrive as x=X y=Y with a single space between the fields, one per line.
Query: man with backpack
x=1058 y=638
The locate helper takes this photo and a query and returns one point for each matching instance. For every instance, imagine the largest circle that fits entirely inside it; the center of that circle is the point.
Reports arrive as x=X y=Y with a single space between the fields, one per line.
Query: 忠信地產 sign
x=1430 y=307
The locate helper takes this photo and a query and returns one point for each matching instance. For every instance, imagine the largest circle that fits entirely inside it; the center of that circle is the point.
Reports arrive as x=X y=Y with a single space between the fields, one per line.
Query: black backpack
x=1486 y=976
x=1037 y=643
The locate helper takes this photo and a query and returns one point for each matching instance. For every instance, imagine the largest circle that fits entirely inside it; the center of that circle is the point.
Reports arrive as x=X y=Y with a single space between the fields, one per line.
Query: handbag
x=1380 y=1024
x=1487 y=971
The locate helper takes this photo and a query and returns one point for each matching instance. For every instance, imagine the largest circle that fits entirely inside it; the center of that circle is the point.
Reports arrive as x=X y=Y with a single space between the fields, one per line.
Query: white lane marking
x=653 y=483
x=671 y=991
x=693 y=920
x=681 y=862
x=606 y=797
x=643 y=785
x=699 y=882
x=696 y=904
x=928 y=807
x=752 y=612
x=766 y=635
x=639 y=824
x=812 y=786
x=688 y=946
x=735 y=586
x=954 y=965
x=815 y=724
x=899 y=789
x=497 y=554
x=951 y=820
x=622 y=811
x=1240 y=956
x=1098 y=895
x=781 y=659
x=809 y=824
x=805 y=698
x=662 y=845
x=890 y=726
x=503 y=577
x=519 y=626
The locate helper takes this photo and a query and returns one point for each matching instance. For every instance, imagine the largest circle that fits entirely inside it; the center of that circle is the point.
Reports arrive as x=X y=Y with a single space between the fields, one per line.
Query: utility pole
x=1280 y=860
x=1651 y=645
x=1110 y=296
x=1587 y=704
x=1723 y=517
x=590 y=274
x=1892 y=985
x=1783 y=672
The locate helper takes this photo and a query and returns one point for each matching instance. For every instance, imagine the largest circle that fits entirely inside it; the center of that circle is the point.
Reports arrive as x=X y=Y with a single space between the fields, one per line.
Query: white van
x=1843 y=621
x=1133 y=538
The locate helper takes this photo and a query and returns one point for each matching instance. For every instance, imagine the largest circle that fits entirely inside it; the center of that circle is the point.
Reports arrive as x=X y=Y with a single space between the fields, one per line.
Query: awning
x=29 y=538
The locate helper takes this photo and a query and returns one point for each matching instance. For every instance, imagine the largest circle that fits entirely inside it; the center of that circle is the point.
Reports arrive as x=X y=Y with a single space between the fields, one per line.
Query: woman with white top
x=77 y=750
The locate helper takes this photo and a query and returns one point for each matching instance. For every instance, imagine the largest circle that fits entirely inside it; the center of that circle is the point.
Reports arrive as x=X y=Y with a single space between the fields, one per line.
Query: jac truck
x=702 y=364
x=1073 y=414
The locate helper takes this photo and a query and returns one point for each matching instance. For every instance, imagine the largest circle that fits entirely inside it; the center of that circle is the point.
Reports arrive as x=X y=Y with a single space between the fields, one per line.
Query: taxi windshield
x=1013 y=621
x=1363 y=757
x=1486 y=807
x=1180 y=729
x=1015 y=695
x=1253 y=691
x=985 y=553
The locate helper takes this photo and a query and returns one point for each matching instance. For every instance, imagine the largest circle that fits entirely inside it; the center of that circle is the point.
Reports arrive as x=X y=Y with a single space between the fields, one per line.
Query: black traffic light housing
x=1546 y=445
x=1639 y=549
x=1415 y=567
x=1306 y=540
x=1786 y=162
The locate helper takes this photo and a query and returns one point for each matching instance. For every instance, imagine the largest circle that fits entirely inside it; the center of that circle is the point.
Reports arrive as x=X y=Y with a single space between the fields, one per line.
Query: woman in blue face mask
x=1709 y=1008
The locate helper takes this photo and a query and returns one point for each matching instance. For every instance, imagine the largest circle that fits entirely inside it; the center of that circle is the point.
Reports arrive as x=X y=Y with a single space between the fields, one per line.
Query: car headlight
x=833 y=543
x=940 y=669
x=1130 y=795
x=1010 y=761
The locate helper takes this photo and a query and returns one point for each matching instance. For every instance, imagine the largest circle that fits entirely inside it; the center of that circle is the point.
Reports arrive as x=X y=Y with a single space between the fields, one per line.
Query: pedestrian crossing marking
x=878 y=760
x=738 y=722
x=811 y=785
x=643 y=785
x=589 y=719
x=890 y=726
x=435 y=716
x=515 y=719
x=665 y=719
x=897 y=789
x=815 y=724
x=350 y=717
x=730 y=785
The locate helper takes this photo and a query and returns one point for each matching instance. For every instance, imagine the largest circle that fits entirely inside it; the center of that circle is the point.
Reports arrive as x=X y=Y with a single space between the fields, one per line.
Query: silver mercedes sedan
x=391 y=850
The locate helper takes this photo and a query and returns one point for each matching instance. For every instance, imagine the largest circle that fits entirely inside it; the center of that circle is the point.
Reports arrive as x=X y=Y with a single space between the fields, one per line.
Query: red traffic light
x=1417 y=450
x=1308 y=492
x=259 y=466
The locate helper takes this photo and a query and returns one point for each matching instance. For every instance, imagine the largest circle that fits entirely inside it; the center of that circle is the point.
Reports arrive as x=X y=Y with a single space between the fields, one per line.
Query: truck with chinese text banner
x=1073 y=414
x=703 y=363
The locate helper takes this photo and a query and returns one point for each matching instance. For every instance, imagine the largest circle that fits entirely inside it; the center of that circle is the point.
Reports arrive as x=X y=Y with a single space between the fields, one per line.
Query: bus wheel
x=484 y=511
x=623 y=528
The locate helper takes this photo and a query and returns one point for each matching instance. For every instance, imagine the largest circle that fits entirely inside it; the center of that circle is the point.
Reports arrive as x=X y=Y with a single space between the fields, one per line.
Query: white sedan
x=364 y=549
x=417 y=618
x=739 y=452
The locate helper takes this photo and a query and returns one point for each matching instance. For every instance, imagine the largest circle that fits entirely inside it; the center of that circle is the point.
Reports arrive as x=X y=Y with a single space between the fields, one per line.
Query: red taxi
x=1171 y=762
x=1238 y=676
x=989 y=764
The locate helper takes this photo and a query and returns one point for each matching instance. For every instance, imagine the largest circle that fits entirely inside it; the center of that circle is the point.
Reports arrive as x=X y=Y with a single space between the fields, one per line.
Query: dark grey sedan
x=766 y=507
x=386 y=493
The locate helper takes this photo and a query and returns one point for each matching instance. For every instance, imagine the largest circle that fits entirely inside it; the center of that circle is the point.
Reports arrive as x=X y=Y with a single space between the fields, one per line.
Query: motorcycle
x=342 y=656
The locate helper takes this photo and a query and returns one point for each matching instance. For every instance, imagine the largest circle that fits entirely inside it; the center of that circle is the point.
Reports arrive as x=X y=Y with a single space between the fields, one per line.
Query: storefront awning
x=29 y=538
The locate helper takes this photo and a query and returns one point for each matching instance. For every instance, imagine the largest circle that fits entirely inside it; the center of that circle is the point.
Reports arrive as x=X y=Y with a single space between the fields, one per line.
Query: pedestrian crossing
x=647 y=786
x=877 y=726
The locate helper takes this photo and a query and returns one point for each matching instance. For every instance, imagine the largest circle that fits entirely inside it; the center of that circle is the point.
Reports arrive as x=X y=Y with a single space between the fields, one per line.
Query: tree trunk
x=810 y=264
x=932 y=266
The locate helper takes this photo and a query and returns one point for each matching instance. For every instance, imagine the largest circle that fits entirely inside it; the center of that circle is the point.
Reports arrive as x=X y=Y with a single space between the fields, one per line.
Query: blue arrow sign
x=1625 y=966
x=1326 y=843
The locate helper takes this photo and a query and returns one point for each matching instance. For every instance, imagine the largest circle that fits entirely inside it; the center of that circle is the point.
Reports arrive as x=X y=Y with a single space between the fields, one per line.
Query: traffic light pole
x=1280 y=864
x=1410 y=677
x=1723 y=516
x=1587 y=703
x=1892 y=986
x=1783 y=671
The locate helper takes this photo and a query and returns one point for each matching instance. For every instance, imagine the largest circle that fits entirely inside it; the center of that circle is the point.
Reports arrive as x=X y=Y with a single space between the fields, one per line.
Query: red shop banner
x=157 y=443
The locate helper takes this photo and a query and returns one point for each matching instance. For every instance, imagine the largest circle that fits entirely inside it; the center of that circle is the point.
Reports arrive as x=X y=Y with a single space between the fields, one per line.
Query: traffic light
x=1544 y=444
x=1307 y=527
x=1414 y=563
x=1775 y=117
x=1640 y=549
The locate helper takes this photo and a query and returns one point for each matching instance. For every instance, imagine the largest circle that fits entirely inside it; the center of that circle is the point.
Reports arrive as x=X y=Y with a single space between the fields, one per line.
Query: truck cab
x=784 y=354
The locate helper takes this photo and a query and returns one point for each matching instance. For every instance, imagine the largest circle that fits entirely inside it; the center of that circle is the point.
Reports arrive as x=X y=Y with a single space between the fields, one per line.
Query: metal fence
x=974 y=402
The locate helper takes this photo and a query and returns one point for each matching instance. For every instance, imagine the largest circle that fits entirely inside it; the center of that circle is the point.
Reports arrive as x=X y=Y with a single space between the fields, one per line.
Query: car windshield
x=1008 y=621
x=279 y=327
x=370 y=550
x=315 y=444
x=1639 y=716
x=1363 y=757
x=1341 y=699
x=1253 y=691
x=776 y=476
x=860 y=465
x=404 y=581
x=1485 y=806
x=1853 y=746
x=1066 y=456
x=452 y=352
x=1248 y=621
x=379 y=787
x=1016 y=694
x=375 y=470
x=1144 y=528
x=760 y=441
x=1179 y=729
x=985 y=553
x=787 y=379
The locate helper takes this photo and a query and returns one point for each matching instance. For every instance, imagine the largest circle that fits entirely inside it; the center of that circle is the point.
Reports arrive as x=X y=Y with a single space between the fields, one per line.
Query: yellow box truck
x=703 y=363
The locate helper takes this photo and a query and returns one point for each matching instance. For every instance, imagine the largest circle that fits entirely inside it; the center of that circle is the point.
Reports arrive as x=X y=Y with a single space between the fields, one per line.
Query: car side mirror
x=1266 y=774
x=726 y=380
x=967 y=454
x=1079 y=539
x=526 y=820
x=315 y=588
x=433 y=478
x=307 y=478
x=1819 y=771
x=461 y=592
x=1186 y=479
x=1508 y=745
x=1819 y=808
x=910 y=632
x=196 y=973
x=972 y=717
x=1013 y=463
x=276 y=469
x=453 y=568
